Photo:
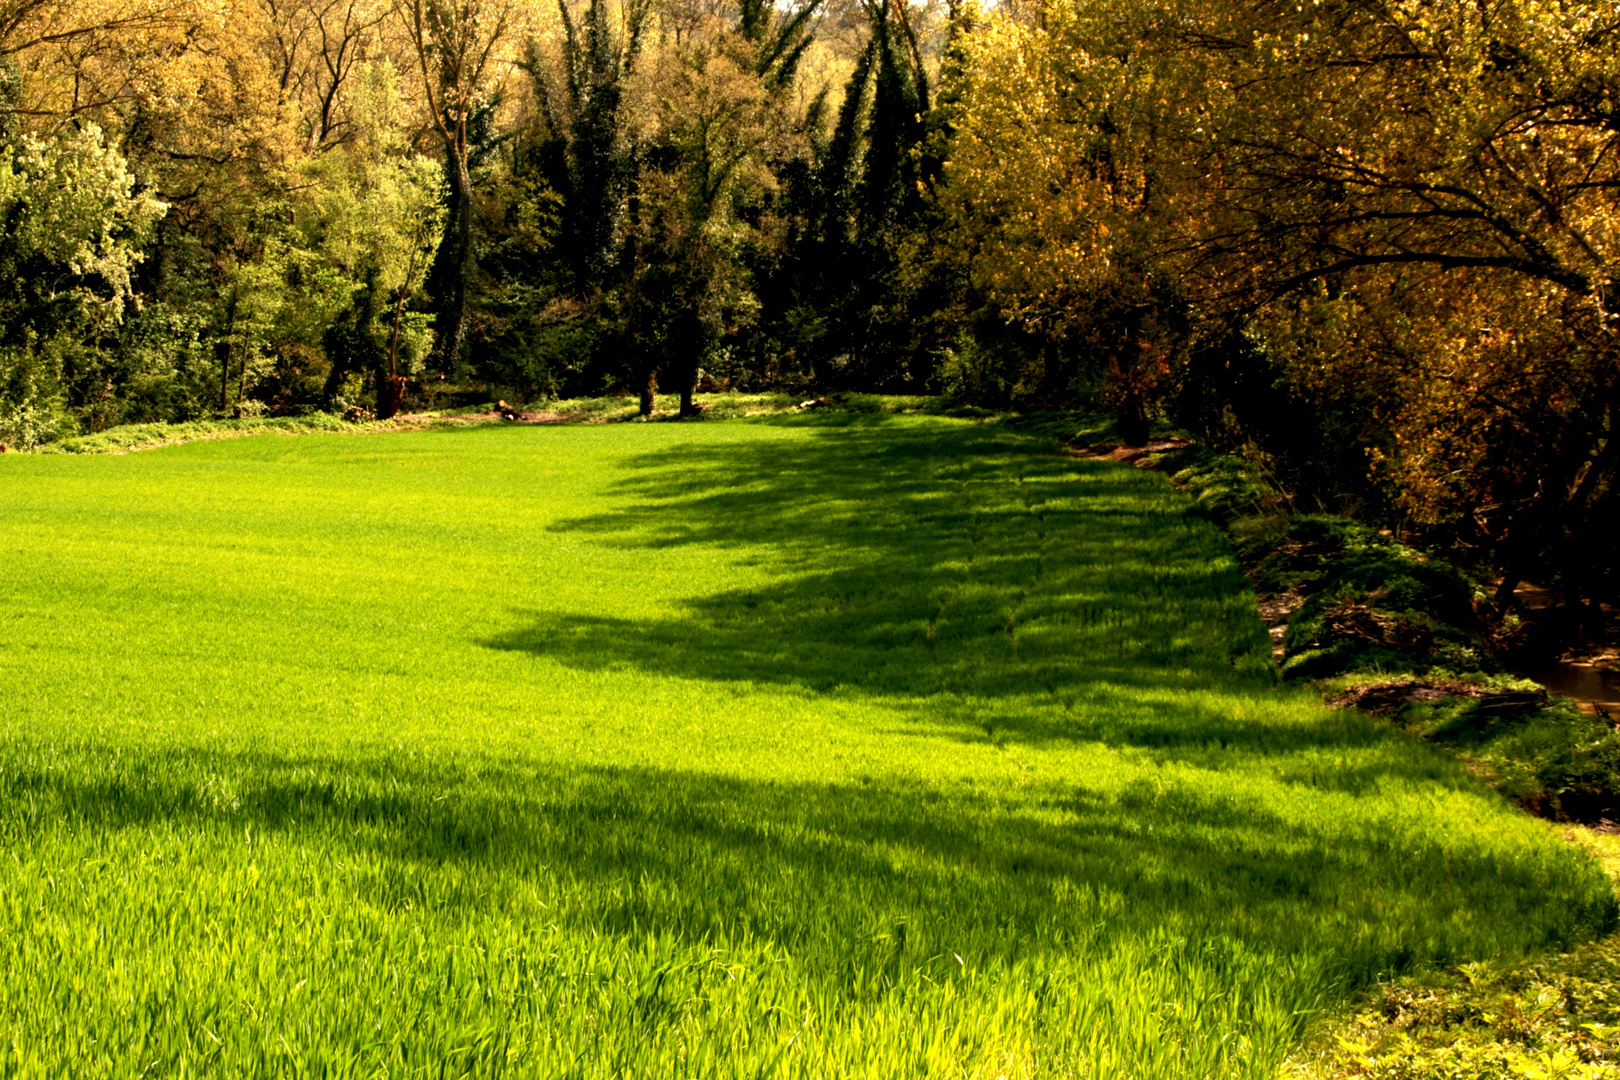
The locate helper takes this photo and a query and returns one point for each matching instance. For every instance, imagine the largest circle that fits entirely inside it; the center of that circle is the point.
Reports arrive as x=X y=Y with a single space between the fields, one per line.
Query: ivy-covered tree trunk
x=226 y=351
x=448 y=280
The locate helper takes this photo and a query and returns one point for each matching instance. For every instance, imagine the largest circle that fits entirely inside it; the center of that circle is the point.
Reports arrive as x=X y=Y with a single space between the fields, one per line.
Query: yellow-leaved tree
x=1412 y=203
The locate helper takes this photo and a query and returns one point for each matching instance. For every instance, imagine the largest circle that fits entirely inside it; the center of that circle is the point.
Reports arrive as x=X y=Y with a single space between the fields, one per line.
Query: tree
x=1409 y=204
x=1048 y=190
x=1421 y=200
x=865 y=204
x=582 y=143
x=688 y=281
x=456 y=44
x=75 y=223
x=377 y=215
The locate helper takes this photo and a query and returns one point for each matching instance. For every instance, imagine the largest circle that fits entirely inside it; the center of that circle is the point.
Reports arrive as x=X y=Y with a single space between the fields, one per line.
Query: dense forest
x=1372 y=245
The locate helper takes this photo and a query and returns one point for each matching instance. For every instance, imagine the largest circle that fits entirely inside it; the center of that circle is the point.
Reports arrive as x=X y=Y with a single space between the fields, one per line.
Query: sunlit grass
x=856 y=745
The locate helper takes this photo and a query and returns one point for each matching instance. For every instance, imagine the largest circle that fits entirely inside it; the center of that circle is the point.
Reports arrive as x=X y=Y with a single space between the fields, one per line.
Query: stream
x=1594 y=689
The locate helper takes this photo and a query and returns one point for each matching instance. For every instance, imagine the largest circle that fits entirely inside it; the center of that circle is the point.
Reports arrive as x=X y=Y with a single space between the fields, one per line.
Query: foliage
x=1371 y=602
x=1554 y=1018
x=28 y=417
x=1395 y=221
x=1549 y=758
x=915 y=746
x=1370 y=249
x=456 y=45
x=75 y=224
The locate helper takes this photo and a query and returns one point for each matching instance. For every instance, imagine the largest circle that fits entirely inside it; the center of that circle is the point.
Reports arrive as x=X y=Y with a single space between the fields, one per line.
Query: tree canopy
x=1373 y=244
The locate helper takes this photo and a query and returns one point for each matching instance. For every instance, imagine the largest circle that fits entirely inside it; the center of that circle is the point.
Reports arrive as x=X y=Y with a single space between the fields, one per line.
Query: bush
x=1225 y=488
x=1371 y=604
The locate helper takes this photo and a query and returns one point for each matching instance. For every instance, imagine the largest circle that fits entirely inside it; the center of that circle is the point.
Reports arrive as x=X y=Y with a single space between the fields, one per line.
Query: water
x=1592 y=687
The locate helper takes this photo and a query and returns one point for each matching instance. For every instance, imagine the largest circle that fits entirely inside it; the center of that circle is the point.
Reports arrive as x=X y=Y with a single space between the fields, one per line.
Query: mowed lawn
x=812 y=747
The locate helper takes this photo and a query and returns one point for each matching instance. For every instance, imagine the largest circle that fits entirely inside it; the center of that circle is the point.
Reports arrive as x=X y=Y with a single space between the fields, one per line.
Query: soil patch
x=1140 y=456
x=1383 y=698
x=495 y=416
x=1275 y=610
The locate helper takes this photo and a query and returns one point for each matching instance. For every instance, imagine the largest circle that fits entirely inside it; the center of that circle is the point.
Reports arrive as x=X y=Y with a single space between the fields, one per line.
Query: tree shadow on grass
x=968 y=576
x=828 y=871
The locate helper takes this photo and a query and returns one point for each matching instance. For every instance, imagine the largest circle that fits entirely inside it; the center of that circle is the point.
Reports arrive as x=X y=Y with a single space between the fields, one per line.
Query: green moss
x=1225 y=488
x=1552 y=757
x=1370 y=603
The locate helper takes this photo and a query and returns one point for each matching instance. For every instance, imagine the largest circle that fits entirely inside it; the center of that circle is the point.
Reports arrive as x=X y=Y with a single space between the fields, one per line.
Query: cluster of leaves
x=74 y=224
x=153 y=279
x=1555 y=1019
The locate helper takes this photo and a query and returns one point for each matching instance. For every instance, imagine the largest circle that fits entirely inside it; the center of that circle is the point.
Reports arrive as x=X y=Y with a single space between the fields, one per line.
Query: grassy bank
x=861 y=745
x=599 y=410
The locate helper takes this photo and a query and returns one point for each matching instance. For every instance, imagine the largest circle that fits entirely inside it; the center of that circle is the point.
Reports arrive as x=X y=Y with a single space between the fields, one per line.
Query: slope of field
x=845 y=746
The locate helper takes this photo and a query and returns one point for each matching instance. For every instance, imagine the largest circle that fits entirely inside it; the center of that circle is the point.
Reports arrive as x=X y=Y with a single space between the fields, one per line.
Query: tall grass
x=840 y=746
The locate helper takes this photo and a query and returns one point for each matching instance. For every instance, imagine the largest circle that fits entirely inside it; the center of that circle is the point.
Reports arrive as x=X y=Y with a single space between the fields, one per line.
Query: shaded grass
x=1548 y=757
x=849 y=745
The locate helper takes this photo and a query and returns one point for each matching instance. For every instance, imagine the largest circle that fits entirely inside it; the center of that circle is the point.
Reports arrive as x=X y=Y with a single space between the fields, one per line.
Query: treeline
x=280 y=205
x=1370 y=244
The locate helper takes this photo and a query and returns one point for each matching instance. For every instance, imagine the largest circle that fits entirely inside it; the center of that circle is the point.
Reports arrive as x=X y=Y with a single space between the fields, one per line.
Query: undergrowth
x=1369 y=603
x=1555 y=1019
x=1549 y=757
x=611 y=409
x=127 y=437
x=1376 y=623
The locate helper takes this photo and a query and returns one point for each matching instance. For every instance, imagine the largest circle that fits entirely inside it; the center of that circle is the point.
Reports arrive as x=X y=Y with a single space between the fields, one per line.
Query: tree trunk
x=396 y=381
x=390 y=383
x=1132 y=423
x=647 y=392
x=390 y=387
x=1511 y=577
x=453 y=266
x=385 y=394
x=388 y=400
x=225 y=364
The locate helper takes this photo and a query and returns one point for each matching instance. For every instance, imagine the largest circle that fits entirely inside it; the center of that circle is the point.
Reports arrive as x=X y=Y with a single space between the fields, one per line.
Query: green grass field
x=794 y=747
